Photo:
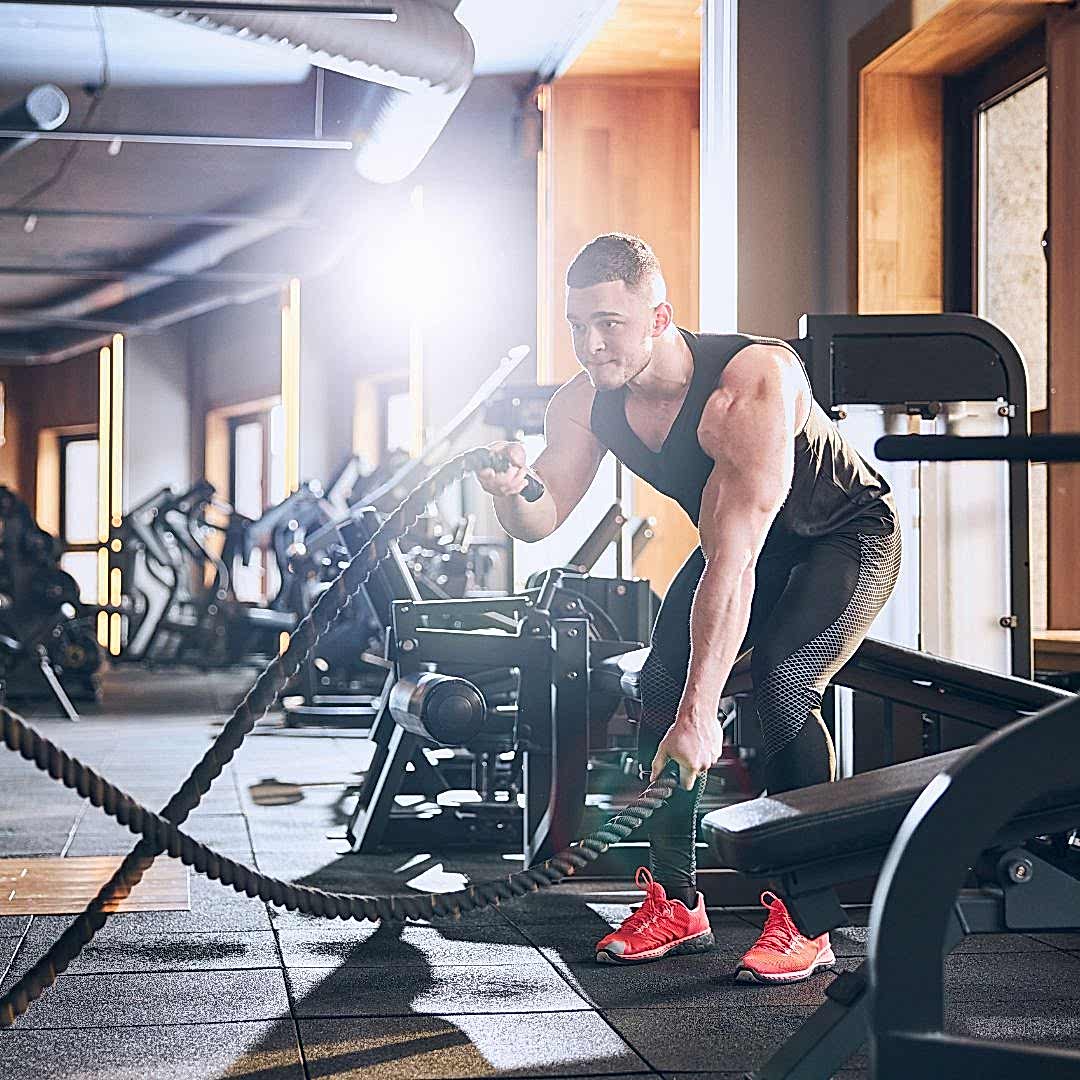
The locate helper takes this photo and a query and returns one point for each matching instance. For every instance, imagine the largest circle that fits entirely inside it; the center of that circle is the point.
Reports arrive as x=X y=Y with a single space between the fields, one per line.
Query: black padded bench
x=810 y=841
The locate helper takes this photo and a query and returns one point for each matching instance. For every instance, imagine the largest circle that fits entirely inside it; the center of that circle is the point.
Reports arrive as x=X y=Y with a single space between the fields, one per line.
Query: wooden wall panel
x=1063 y=58
x=900 y=195
x=645 y=37
x=47 y=396
x=621 y=155
x=946 y=37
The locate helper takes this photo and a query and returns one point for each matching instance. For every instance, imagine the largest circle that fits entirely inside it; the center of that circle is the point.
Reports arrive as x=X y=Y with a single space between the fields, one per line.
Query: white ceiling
x=64 y=44
x=526 y=36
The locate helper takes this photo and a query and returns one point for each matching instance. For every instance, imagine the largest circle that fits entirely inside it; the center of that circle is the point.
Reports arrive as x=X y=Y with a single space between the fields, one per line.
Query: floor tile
x=397 y=991
x=702 y=1038
x=258 y=1051
x=158 y=952
x=179 y=997
x=448 y=1047
x=685 y=982
x=1043 y=976
x=337 y=944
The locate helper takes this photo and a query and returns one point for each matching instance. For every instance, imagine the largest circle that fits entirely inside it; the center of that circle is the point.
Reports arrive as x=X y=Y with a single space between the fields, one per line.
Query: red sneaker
x=660 y=927
x=782 y=954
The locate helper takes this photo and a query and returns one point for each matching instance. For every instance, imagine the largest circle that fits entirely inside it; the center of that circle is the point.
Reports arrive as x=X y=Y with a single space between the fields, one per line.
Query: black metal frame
x=918 y=361
x=544 y=637
x=552 y=656
x=913 y=915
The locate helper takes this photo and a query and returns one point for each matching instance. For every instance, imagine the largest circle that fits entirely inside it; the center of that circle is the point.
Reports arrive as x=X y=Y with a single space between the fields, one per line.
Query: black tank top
x=832 y=489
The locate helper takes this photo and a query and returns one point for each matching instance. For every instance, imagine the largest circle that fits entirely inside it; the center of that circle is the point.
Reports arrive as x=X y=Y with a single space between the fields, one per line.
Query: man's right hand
x=513 y=480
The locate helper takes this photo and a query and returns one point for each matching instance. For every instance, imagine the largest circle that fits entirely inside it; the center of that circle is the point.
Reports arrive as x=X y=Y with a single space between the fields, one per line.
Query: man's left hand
x=694 y=745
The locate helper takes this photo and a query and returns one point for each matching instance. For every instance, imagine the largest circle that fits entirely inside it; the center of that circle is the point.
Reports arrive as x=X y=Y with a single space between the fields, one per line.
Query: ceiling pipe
x=421 y=65
x=423 y=61
x=45 y=108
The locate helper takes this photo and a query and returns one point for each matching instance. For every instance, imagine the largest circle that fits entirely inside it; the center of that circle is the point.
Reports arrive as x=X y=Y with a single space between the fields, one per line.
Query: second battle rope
x=161 y=835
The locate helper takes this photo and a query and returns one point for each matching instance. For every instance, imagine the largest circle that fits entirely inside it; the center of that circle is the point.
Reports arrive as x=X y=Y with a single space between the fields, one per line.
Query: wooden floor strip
x=52 y=886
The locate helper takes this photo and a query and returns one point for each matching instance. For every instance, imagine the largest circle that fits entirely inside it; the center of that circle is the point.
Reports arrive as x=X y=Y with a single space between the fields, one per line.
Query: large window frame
x=965 y=97
x=90 y=544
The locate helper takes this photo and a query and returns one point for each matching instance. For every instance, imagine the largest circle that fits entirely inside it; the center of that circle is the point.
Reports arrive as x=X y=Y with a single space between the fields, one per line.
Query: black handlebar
x=978 y=448
x=533 y=488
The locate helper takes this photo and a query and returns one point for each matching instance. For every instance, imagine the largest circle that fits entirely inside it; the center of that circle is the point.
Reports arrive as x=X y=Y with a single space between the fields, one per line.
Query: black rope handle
x=160 y=834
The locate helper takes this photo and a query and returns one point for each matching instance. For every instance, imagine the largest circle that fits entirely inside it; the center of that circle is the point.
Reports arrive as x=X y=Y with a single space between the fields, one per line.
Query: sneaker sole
x=699 y=943
x=748 y=975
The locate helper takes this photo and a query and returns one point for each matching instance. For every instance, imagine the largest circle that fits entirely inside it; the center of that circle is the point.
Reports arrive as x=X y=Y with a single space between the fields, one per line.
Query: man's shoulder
x=574 y=400
x=575 y=393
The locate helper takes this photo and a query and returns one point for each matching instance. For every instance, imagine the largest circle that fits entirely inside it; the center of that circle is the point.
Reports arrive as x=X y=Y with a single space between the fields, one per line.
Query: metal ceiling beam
x=108 y=273
x=167 y=139
x=117 y=326
x=346 y=10
x=163 y=216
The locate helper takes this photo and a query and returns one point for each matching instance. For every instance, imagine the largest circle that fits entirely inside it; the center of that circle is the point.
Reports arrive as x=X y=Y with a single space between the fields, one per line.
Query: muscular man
x=799 y=551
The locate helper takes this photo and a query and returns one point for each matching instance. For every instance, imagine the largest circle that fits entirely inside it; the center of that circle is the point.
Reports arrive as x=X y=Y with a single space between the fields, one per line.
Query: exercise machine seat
x=620 y=674
x=858 y=816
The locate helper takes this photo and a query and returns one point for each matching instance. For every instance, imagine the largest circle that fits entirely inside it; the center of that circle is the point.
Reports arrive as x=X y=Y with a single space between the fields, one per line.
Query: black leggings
x=811 y=610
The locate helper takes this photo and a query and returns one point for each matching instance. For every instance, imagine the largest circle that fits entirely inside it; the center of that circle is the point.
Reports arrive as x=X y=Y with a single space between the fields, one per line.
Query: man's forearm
x=525 y=520
x=718 y=622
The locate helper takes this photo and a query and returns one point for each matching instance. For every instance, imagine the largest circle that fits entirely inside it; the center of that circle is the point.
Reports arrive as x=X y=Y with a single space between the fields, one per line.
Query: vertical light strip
x=544 y=229
x=103 y=575
x=115 y=624
x=103 y=487
x=418 y=257
x=290 y=383
x=116 y=438
x=104 y=432
x=719 y=223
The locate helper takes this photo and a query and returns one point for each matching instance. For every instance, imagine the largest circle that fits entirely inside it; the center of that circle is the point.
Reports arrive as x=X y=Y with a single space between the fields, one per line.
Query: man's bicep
x=752 y=448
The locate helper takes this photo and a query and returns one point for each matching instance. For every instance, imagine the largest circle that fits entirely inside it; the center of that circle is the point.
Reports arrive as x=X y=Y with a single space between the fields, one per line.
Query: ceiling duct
x=424 y=60
x=421 y=66
x=45 y=108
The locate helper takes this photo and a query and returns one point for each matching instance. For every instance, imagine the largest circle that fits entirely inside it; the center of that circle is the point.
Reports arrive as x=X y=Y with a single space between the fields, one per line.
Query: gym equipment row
x=180 y=606
x=48 y=644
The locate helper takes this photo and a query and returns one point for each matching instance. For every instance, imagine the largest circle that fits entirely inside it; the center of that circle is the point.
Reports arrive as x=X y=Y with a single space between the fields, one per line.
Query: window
x=256 y=482
x=996 y=207
x=79 y=511
x=397 y=420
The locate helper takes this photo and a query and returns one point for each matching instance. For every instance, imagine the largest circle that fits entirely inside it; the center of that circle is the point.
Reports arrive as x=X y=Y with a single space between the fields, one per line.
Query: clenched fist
x=694 y=747
x=511 y=482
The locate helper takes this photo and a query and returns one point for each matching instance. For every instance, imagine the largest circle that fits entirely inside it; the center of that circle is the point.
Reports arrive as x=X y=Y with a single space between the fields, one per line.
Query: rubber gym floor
x=233 y=988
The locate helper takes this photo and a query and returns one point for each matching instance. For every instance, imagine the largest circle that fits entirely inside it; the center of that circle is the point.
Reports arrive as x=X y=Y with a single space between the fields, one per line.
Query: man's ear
x=663 y=316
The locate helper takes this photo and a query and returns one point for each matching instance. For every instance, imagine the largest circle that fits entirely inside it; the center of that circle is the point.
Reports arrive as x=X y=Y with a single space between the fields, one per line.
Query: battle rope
x=160 y=834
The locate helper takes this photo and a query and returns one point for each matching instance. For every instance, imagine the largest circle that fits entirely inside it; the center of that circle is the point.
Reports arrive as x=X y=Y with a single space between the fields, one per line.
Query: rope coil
x=160 y=833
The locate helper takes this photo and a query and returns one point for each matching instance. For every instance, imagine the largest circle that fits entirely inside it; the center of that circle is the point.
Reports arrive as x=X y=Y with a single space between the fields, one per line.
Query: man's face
x=613 y=332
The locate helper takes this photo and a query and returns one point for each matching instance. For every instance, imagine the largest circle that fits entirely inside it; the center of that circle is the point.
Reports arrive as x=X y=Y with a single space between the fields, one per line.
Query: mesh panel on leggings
x=789 y=691
x=661 y=693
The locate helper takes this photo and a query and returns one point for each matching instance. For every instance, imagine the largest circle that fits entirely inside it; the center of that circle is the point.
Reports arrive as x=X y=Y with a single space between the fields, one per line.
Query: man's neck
x=669 y=371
